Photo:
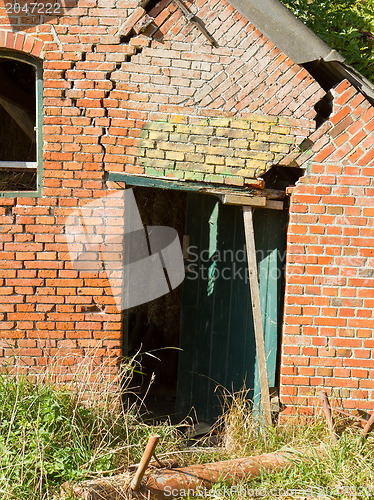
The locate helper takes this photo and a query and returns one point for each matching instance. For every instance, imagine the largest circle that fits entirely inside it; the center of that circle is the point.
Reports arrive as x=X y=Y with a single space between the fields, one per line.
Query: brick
x=343 y=125
x=28 y=44
x=324 y=153
x=10 y=40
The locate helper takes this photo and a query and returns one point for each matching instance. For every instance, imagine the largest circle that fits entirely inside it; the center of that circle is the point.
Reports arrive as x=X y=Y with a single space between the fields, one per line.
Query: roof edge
x=286 y=31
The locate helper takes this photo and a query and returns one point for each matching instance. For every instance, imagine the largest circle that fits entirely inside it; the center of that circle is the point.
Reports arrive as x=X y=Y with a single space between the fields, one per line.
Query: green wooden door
x=217 y=335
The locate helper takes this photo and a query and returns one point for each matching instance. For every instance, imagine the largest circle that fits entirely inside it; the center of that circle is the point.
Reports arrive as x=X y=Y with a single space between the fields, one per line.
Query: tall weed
x=52 y=431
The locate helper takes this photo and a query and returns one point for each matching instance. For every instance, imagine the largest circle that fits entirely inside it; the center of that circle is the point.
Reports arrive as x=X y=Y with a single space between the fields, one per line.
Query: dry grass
x=56 y=428
x=320 y=469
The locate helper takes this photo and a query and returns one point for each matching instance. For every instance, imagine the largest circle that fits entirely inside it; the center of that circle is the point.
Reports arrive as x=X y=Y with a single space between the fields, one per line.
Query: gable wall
x=176 y=88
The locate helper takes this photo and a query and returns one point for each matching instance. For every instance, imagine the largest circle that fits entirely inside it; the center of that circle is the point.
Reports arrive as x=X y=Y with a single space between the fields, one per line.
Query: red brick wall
x=329 y=304
x=101 y=88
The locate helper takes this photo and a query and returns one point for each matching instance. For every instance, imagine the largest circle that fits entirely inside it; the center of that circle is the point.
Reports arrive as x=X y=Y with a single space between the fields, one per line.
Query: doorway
x=199 y=341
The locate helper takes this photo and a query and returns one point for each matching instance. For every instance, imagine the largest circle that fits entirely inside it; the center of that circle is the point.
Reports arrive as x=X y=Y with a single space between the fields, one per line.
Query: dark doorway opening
x=154 y=327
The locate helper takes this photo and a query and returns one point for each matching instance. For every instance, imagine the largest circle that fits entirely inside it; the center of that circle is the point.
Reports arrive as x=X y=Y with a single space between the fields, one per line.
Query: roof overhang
x=287 y=32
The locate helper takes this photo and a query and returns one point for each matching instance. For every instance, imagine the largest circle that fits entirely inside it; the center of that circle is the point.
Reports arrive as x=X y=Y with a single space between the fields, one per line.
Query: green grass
x=346 y=25
x=344 y=471
x=51 y=434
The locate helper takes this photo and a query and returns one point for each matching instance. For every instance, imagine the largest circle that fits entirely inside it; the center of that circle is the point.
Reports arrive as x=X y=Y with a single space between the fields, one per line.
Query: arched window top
x=22 y=43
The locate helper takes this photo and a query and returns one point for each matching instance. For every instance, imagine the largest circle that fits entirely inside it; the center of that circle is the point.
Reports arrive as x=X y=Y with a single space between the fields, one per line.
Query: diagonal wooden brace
x=191 y=18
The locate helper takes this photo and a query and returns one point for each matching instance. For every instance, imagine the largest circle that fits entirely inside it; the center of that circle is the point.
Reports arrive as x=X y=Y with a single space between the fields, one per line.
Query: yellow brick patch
x=225 y=149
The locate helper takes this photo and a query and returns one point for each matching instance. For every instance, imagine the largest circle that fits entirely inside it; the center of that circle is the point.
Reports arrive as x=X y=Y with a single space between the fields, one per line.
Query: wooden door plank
x=257 y=315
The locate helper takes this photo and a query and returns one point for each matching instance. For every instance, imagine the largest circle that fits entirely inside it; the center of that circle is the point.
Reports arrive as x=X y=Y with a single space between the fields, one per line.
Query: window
x=20 y=125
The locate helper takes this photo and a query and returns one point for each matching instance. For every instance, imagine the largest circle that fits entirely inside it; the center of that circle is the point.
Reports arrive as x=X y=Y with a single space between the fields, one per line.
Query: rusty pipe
x=200 y=478
x=360 y=420
x=144 y=462
x=196 y=480
x=368 y=426
x=329 y=418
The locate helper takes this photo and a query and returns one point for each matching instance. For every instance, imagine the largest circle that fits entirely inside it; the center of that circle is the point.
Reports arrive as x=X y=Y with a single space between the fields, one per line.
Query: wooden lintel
x=257 y=314
x=238 y=199
x=228 y=195
x=274 y=204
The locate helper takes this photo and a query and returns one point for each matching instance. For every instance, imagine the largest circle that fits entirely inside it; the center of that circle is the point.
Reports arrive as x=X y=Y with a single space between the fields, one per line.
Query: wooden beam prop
x=257 y=315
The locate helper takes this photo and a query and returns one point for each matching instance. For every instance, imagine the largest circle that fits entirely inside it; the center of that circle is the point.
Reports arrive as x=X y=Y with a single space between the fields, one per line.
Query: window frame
x=38 y=66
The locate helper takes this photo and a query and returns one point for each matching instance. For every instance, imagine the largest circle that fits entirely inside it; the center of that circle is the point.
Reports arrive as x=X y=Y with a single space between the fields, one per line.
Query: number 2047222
x=33 y=8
